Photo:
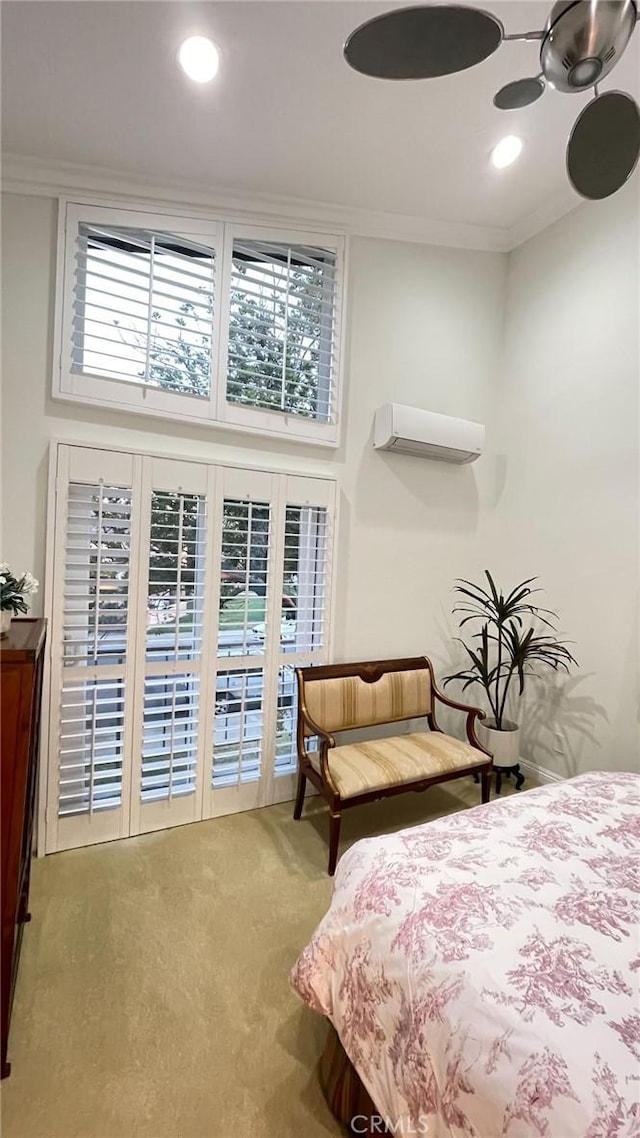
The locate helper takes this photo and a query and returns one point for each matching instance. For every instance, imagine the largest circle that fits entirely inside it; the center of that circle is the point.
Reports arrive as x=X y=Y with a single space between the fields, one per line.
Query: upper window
x=206 y=321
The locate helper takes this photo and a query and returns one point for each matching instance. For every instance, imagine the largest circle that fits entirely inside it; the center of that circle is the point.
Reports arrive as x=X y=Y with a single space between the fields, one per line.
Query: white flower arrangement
x=14 y=589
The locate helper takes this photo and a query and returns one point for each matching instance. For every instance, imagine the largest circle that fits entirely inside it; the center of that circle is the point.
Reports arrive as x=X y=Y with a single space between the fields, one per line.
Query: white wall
x=424 y=326
x=569 y=509
x=556 y=493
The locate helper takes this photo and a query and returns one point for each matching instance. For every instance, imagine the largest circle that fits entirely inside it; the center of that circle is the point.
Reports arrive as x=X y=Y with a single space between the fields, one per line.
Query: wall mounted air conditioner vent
x=410 y=430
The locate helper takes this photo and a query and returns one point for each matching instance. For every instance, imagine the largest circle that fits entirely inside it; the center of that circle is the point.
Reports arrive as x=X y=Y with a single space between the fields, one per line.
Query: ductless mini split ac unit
x=410 y=430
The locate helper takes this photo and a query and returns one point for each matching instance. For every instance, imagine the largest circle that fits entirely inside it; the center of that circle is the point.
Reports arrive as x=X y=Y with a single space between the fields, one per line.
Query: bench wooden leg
x=335 y=819
x=486 y=786
x=302 y=782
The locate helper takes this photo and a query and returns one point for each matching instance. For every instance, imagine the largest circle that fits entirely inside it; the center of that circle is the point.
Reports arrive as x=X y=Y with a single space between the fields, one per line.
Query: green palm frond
x=516 y=636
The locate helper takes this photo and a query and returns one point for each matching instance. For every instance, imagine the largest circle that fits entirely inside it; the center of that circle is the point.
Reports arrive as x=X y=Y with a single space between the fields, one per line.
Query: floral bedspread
x=482 y=971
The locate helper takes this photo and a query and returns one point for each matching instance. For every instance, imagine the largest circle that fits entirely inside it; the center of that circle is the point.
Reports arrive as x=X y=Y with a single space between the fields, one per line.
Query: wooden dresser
x=21 y=665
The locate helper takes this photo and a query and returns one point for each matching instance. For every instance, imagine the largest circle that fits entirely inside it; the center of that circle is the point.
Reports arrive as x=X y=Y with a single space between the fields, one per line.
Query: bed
x=482 y=971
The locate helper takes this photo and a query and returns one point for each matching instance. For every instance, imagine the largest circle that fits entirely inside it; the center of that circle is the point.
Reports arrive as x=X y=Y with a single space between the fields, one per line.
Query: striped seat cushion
x=360 y=767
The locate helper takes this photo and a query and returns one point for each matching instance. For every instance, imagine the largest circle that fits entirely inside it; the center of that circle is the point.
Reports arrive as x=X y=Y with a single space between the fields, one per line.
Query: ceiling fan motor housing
x=583 y=40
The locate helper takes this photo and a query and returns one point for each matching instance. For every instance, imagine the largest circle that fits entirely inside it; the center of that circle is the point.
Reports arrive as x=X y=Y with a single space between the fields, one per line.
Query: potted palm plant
x=513 y=638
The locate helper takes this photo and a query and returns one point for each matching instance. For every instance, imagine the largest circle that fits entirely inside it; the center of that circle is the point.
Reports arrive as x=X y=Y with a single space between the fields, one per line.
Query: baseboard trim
x=541 y=774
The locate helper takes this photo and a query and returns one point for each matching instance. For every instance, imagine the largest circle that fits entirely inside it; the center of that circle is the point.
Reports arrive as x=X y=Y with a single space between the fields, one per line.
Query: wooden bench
x=348 y=697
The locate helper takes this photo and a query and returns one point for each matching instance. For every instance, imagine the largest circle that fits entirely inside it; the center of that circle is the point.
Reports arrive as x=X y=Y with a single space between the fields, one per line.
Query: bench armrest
x=326 y=741
x=473 y=713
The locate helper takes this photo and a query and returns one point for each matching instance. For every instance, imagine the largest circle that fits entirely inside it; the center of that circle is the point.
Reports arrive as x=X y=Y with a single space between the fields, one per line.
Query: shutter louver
x=283 y=328
x=143 y=308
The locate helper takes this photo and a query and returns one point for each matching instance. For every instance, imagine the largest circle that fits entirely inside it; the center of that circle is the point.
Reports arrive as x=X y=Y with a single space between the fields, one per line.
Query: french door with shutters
x=184 y=594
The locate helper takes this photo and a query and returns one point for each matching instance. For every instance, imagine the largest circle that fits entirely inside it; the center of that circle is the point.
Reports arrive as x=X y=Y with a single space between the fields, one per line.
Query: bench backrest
x=343 y=697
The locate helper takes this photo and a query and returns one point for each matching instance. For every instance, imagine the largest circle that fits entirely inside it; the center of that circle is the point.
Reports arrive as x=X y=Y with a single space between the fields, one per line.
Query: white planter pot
x=5 y=621
x=504 y=745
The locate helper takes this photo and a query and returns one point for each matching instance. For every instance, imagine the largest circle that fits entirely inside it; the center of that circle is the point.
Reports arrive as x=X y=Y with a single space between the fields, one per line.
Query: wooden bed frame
x=344 y=1092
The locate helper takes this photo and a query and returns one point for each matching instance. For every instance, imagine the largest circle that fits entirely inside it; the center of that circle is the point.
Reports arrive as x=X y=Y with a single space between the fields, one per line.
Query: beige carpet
x=153 y=997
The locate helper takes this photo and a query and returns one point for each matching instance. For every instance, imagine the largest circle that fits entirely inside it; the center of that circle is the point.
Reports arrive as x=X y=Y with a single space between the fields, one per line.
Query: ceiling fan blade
x=423 y=42
x=521 y=93
x=604 y=145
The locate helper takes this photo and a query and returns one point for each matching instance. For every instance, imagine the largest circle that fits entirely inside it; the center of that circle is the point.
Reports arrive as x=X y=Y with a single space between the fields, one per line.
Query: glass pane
x=244 y=578
x=281 y=334
x=237 y=747
x=175 y=595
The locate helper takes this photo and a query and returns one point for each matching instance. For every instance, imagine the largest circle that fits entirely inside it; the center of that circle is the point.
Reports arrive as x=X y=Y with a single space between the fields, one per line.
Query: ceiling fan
x=580 y=44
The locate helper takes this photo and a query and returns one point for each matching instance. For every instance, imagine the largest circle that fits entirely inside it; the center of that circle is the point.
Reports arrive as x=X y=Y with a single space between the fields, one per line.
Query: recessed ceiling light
x=199 y=58
x=506 y=151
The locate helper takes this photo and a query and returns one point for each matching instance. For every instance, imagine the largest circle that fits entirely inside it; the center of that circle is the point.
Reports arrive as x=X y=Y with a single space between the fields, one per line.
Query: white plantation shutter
x=307 y=513
x=242 y=622
x=91 y=646
x=246 y=628
x=143 y=308
x=138 y=318
x=174 y=601
x=283 y=327
x=184 y=596
x=305 y=618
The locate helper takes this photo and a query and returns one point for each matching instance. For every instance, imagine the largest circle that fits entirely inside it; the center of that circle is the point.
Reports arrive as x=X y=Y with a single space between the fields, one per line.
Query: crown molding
x=547 y=214
x=22 y=174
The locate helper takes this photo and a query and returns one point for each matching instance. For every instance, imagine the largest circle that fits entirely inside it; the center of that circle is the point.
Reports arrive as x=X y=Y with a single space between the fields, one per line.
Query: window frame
x=215 y=411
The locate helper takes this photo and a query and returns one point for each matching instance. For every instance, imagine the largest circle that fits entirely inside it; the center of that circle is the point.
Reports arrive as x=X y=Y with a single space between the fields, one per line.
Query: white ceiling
x=96 y=84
